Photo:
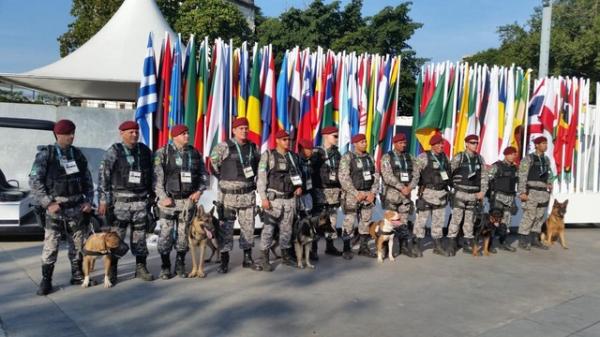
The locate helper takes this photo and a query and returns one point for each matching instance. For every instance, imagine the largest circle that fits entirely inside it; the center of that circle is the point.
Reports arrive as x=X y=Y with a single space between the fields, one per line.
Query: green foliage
x=574 y=41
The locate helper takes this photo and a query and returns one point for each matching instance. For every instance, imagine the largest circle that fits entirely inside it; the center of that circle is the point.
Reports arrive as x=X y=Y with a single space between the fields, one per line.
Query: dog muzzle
x=120 y=251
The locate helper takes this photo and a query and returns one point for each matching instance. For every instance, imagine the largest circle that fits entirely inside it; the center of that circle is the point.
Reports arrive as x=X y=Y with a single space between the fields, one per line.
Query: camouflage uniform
x=502 y=177
x=466 y=189
x=170 y=163
x=129 y=201
x=326 y=190
x=534 y=176
x=283 y=202
x=50 y=182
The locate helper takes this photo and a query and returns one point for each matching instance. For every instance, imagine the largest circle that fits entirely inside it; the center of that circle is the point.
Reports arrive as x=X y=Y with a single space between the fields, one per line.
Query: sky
x=451 y=28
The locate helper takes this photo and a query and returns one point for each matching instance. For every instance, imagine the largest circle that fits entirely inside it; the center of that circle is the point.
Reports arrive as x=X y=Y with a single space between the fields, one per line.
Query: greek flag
x=147 y=97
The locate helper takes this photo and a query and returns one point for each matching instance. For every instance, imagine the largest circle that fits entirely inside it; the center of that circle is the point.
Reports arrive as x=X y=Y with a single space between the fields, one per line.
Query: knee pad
x=229 y=214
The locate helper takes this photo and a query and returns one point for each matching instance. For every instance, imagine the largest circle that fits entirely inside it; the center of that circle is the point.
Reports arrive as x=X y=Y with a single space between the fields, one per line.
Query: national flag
x=163 y=114
x=506 y=135
x=462 y=118
x=353 y=97
x=306 y=107
x=573 y=121
x=388 y=122
x=269 y=104
x=282 y=95
x=190 y=95
x=243 y=81
x=253 y=111
x=414 y=144
x=203 y=75
x=216 y=99
x=343 y=108
x=295 y=95
x=489 y=141
x=381 y=101
x=175 y=106
x=446 y=125
x=363 y=89
x=147 y=102
x=372 y=100
x=430 y=121
x=327 y=119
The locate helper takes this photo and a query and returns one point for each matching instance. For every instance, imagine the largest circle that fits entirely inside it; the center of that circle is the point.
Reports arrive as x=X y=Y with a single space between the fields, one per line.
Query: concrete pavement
x=545 y=293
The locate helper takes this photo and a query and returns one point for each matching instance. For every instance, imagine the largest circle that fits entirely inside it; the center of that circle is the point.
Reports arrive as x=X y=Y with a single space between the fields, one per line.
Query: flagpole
x=451 y=140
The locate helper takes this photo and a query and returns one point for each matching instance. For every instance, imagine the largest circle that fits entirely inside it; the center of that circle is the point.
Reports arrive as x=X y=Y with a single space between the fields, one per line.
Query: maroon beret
x=540 y=139
x=129 y=125
x=510 y=150
x=329 y=130
x=357 y=138
x=471 y=137
x=436 y=139
x=178 y=129
x=64 y=127
x=281 y=134
x=399 y=137
x=306 y=144
x=242 y=121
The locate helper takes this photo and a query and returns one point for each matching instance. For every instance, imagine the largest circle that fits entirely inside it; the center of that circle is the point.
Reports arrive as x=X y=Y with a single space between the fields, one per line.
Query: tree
x=328 y=26
x=574 y=41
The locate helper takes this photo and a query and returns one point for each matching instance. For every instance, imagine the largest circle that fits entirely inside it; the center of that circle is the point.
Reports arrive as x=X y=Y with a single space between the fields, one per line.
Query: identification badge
x=359 y=164
x=309 y=184
x=296 y=180
x=135 y=177
x=367 y=176
x=444 y=175
x=186 y=177
x=332 y=176
x=404 y=177
x=178 y=161
x=248 y=172
x=71 y=167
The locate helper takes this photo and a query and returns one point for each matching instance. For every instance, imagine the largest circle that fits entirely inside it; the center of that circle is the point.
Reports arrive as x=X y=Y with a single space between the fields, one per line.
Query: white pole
x=458 y=70
x=578 y=172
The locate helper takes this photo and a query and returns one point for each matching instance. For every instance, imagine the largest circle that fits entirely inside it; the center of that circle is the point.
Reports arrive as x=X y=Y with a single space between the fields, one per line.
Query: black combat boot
x=141 y=271
x=165 y=267
x=364 y=250
x=46 y=282
x=313 y=255
x=76 y=273
x=502 y=236
x=286 y=257
x=180 y=265
x=418 y=247
x=438 y=248
x=491 y=247
x=265 y=264
x=224 y=266
x=249 y=261
x=330 y=248
x=347 y=254
x=452 y=242
x=535 y=241
x=406 y=247
x=467 y=246
x=112 y=272
x=524 y=242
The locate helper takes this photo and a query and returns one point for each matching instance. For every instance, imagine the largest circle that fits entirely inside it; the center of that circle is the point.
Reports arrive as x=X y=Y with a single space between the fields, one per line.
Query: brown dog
x=382 y=231
x=485 y=230
x=201 y=234
x=99 y=244
x=555 y=225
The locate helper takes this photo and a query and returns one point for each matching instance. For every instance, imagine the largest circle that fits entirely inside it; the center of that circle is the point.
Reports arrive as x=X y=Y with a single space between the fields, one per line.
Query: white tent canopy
x=109 y=65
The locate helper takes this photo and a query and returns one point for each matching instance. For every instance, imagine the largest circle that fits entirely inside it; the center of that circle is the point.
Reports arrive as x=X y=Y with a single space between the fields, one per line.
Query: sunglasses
x=473 y=143
x=334 y=136
x=285 y=139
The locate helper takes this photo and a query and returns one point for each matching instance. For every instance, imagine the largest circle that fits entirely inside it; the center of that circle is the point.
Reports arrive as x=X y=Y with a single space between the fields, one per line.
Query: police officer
x=279 y=183
x=432 y=174
x=326 y=186
x=503 y=182
x=360 y=183
x=235 y=163
x=535 y=185
x=396 y=172
x=124 y=192
x=179 y=180
x=470 y=185
x=305 y=153
x=61 y=183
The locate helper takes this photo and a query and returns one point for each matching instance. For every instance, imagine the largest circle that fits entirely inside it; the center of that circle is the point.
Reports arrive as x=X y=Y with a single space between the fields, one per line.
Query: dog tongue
x=209 y=235
x=396 y=223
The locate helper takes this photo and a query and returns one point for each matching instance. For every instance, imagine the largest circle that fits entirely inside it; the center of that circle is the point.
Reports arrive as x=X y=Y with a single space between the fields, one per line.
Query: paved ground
x=553 y=293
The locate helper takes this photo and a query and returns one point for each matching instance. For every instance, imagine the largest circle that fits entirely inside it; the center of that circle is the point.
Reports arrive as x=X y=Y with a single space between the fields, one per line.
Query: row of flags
x=206 y=86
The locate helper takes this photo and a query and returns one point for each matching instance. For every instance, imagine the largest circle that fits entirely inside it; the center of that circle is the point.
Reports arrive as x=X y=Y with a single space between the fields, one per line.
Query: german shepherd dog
x=305 y=228
x=201 y=234
x=484 y=229
x=554 y=227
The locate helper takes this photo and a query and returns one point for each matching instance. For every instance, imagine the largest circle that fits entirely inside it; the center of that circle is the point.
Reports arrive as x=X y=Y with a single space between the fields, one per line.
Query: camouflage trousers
x=395 y=201
x=282 y=213
x=242 y=207
x=134 y=215
x=174 y=226
x=328 y=201
x=504 y=202
x=462 y=211
x=68 y=220
x=352 y=212
x=534 y=212
x=437 y=199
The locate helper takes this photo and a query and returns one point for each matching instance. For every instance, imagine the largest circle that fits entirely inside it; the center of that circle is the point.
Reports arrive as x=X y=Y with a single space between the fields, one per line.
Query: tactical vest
x=190 y=162
x=401 y=163
x=325 y=167
x=279 y=177
x=306 y=169
x=142 y=162
x=358 y=165
x=505 y=179
x=232 y=169
x=467 y=167
x=431 y=176
x=538 y=169
x=58 y=183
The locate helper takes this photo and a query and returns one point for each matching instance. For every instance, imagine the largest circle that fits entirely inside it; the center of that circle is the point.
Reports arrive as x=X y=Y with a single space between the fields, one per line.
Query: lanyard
x=403 y=164
x=330 y=160
x=131 y=158
x=250 y=154
x=292 y=160
x=189 y=157
x=471 y=170
x=442 y=167
x=59 y=152
x=366 y=163
x=543 y=161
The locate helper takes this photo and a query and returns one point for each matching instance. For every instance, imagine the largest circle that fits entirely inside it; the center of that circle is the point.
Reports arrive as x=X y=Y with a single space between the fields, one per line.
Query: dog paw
x=107 y=284
x=300 y=266
x=565 y=247
x=311 y=266
x=380 y=260
x=192 y=274
x=201 y=274
x=392 y=259
x=85 y=284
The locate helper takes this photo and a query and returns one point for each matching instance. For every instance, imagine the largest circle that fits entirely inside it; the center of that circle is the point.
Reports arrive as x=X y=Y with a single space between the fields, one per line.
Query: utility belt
x=436 y=187
x=536 y=188
x=179 y=195
x=468 y=205
x=243 y=190
x=423 y=205
x=273 y=194
x=131 y=199
x=466 y=190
